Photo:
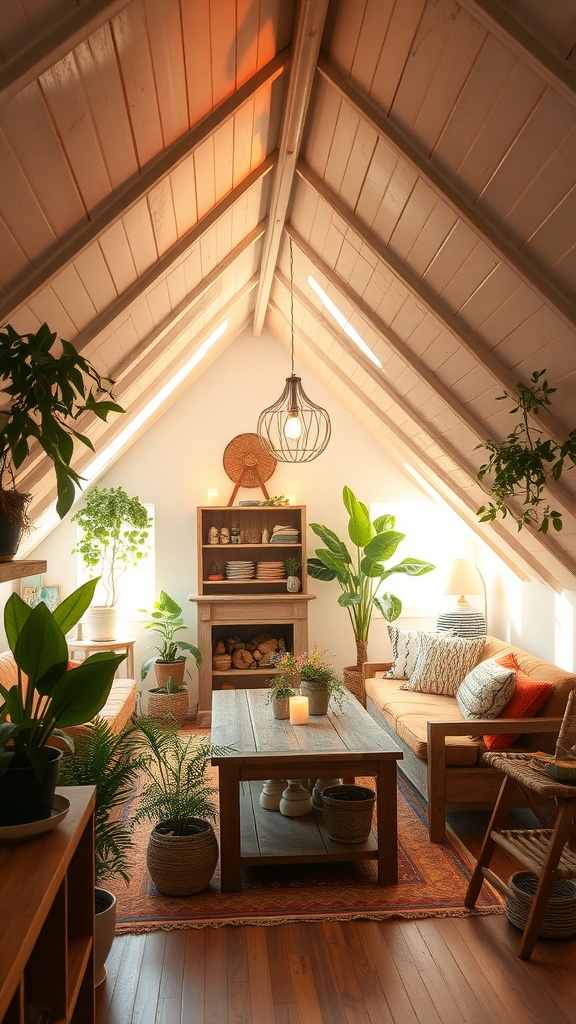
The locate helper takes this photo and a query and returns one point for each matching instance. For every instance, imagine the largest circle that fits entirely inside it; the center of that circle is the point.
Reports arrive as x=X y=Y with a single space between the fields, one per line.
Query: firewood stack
x=258 y=652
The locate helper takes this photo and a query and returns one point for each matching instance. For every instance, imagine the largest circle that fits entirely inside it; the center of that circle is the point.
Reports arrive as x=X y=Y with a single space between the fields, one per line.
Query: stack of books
x=284 y=535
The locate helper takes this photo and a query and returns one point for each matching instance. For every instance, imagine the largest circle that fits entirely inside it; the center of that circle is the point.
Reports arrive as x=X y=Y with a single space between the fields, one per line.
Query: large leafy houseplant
x=362 y=573
x=521 y=465
x=49 y=696
x=47 y=386
x=166 y=620
x=115 y=530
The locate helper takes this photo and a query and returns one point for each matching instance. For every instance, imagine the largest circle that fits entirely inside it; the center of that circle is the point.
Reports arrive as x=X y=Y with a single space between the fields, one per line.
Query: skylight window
x=343 y=322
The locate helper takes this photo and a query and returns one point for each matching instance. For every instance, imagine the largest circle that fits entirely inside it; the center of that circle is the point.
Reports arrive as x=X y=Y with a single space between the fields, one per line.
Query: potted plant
x=361 y=575
x=293 y=566
x=170 y=698
x=48 y=697
x=182 y=850
x=106 y=760
x=522 y=464
x=46 y=393
x=319 y=681
x=115 y=530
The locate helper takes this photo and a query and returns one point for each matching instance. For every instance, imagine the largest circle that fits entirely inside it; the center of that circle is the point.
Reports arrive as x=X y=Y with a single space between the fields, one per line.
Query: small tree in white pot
x=115 y=530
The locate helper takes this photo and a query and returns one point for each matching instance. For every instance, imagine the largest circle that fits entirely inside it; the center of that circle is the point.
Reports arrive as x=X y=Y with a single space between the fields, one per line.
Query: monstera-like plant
x=362 y=573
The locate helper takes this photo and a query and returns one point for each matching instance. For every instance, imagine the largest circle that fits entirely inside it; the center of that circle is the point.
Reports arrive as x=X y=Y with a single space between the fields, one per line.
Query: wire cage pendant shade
x=294 y=428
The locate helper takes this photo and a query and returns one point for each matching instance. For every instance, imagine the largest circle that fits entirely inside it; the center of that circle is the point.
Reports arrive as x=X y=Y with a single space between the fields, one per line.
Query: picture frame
x=50 y=595
x=30 y=588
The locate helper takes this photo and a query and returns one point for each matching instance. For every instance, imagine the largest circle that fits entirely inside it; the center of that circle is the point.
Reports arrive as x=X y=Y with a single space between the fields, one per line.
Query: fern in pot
x=169 y=699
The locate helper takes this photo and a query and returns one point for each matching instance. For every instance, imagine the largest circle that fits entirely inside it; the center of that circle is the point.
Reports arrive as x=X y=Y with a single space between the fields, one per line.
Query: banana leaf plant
x=49 y=696
x=361 y=575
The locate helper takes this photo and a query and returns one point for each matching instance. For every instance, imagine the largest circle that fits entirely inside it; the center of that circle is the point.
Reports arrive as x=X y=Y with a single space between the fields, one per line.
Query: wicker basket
x=559 y=921
x=182 y=865
x=169 y=707
x=348 y=813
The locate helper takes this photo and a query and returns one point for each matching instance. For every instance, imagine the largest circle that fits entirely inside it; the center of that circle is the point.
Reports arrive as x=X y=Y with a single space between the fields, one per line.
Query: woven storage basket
x=182 y=865
x=559 y=921
x=221 y=662
x=168 y=706
x=348 y=813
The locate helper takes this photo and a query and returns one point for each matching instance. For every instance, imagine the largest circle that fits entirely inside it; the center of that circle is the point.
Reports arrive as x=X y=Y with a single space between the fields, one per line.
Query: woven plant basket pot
x=348 y=813
x=181 y=865
x=559 y=921
x=353 y=676
x=172 y=707
x=318 y=698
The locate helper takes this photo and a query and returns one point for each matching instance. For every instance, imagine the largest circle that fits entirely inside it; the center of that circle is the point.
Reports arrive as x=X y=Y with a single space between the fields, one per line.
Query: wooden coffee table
x=347 y=744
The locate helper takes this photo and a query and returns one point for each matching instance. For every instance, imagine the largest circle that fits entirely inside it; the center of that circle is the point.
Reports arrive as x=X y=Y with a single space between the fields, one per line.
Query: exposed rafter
x=311 y=17
x=125 y=198
x=445 y=188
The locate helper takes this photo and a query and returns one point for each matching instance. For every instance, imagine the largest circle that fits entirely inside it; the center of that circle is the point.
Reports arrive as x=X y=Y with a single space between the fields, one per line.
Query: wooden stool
x=548 y=852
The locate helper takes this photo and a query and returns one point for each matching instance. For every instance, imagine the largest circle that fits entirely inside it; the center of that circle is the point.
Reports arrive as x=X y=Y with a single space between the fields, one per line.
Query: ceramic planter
x=100 y=623
x=104 y=931
x=22 y=797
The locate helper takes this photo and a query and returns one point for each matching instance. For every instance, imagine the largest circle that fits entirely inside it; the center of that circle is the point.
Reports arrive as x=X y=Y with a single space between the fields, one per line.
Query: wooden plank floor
x=437 y=971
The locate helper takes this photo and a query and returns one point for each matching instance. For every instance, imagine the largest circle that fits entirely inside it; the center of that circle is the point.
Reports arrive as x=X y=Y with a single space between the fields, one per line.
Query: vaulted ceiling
x=157 y=155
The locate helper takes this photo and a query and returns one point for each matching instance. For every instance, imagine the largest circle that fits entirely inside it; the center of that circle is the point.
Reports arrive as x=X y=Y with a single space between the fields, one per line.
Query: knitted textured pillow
x=405 y=648
x=443 y=662
x=486 y=690
x=529 y=697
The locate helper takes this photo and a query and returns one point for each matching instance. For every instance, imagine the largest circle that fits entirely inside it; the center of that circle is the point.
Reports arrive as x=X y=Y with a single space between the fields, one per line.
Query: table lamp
x=463 y=619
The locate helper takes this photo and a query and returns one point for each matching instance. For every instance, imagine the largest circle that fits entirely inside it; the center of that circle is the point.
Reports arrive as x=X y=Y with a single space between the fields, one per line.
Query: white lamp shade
x=463 y=578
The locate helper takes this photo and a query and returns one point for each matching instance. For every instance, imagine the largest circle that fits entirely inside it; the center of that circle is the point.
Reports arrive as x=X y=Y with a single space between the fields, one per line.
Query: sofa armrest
x=370 y=667
x=437 y=733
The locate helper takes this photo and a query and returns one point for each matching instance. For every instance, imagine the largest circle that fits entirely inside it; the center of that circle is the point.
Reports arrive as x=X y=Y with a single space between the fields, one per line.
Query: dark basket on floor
x=559 y=921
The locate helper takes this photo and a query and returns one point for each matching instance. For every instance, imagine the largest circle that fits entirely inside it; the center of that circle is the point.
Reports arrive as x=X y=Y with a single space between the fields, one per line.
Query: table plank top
x=242 y=720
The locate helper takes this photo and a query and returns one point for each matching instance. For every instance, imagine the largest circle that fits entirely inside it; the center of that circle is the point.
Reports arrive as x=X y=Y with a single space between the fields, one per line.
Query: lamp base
x=463 y=622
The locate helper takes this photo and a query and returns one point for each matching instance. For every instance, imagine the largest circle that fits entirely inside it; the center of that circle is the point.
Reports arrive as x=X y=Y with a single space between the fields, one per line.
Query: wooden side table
x=87 y=647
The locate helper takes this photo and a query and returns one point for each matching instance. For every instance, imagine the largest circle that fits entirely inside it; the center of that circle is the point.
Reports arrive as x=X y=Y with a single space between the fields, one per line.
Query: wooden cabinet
x=253 y=523
x=246 y=606
x=47 y=939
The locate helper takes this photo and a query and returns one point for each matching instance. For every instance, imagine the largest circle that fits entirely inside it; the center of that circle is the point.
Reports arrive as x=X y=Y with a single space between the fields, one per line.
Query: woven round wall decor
x=248 y=463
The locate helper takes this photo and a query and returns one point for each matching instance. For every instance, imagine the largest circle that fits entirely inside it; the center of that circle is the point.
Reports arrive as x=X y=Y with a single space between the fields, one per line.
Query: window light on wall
x=345 y=324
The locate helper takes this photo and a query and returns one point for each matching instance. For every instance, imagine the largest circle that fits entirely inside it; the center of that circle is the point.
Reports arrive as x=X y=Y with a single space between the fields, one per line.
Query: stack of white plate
x=237 y=570
x=270 y=571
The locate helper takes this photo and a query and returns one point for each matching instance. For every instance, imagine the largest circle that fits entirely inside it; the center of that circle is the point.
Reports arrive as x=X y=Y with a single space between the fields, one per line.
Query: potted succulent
x=48 y=697
x=319 y=681
x=47 y=392
x=115 y=530
x=293 y=566
x=361 y=575
x=106 y=760
x=169 y=699
x=183 y=849
x=522 y=464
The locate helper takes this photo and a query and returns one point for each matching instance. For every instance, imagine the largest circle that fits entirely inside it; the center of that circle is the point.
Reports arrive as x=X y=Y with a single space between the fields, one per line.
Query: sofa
x=117 y=711
x=443 y=750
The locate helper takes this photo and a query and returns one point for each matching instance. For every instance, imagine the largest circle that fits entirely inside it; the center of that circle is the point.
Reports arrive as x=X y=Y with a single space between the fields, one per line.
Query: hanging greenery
x=522 y=465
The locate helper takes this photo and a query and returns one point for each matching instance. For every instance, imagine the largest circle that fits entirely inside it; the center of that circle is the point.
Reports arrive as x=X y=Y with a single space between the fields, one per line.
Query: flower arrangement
x=312 y=668
x=285 y=683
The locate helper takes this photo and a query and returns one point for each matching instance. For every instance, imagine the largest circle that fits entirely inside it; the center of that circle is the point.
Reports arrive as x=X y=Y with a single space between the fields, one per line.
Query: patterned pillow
x=405 y=648
x=443 y=662
x=486 y=690
x=529 y=697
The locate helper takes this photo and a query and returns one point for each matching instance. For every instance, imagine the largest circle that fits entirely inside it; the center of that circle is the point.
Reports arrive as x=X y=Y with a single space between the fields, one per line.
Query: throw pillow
x=529 y=697
x=443 y=662
x=405 y=648
x=486 y=690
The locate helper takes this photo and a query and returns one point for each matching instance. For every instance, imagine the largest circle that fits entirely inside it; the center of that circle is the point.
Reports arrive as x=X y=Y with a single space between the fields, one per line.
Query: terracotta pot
x=165 y=670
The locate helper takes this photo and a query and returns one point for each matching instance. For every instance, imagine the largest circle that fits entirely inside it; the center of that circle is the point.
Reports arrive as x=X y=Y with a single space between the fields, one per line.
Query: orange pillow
x=529 y=697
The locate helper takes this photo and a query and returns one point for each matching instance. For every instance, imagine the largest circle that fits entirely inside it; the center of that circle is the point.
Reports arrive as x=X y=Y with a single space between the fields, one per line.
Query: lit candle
x=212 y=496
x=298 y=710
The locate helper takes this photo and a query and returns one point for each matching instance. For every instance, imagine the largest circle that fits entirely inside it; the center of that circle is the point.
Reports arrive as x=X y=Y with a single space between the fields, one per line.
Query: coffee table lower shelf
x=267 y=837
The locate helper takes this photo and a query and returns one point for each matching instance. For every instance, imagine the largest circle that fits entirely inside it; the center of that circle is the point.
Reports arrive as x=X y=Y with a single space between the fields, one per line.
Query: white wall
x=180 y=457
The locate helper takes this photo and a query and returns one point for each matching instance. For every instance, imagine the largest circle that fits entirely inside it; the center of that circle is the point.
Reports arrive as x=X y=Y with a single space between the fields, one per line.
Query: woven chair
x=548 y=852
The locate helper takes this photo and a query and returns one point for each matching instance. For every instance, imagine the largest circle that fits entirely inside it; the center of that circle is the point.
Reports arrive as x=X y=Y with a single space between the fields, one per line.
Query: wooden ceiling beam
x=444 y=187
x=445 y=485
x=517 y=38
x=307 y=38
x=125 y=198
x=468 y=339
x=435 y=436
x=408 y=357
x=48 y=48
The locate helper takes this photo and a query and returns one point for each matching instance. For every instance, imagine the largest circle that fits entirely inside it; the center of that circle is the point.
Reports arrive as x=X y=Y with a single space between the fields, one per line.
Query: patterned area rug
x=432 y=883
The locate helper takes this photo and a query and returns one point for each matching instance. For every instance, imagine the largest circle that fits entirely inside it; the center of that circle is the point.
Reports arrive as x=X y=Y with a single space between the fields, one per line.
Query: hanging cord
x=292 y=303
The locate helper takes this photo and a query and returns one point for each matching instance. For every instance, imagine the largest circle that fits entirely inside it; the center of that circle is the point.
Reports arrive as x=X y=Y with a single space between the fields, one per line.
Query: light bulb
x=293 y=427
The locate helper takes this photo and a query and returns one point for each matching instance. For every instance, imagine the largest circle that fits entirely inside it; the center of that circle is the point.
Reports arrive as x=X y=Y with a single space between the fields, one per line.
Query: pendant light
x=294 y=429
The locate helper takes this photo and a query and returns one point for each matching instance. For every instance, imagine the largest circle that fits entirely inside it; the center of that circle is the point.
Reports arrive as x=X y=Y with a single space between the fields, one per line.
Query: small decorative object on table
x=282 y=688
x=319 y=681
x=293 y=566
